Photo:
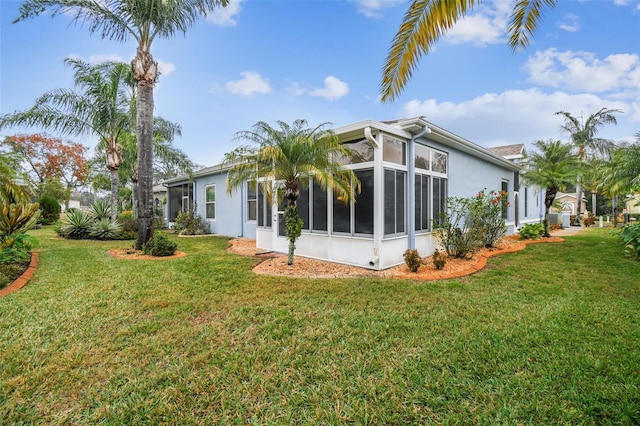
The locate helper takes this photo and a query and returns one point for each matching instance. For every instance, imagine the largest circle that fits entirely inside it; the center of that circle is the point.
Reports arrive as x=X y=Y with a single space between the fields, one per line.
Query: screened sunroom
x=406 y=169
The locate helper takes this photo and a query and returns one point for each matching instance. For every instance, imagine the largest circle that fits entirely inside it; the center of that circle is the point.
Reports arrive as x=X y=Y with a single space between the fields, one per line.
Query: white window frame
x=207 y=202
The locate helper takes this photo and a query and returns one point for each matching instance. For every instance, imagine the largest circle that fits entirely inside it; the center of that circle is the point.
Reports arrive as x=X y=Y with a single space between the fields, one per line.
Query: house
x=407 y=169
x=568 y=203
x=632 y=204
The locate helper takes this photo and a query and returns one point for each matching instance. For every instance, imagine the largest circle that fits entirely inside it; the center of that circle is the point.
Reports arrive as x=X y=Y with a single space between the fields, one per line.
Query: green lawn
x=548 y=335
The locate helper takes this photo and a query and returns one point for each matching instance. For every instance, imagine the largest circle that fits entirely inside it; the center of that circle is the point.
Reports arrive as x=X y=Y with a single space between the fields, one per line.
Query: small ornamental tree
x=486 y=212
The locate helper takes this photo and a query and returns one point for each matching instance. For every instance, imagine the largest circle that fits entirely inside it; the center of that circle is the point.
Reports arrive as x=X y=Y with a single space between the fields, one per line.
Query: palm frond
x=422 y=26
x=525 y=19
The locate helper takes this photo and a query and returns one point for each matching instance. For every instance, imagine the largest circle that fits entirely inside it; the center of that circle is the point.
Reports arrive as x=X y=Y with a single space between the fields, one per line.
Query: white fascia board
x=445 y=137
x=355 y=130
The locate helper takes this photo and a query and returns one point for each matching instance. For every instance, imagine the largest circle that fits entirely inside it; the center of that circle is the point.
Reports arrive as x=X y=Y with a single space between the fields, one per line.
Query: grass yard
x=548 y=335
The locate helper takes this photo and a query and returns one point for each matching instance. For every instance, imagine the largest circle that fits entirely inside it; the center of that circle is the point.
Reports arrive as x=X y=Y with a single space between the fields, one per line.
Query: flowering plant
x=487 y=213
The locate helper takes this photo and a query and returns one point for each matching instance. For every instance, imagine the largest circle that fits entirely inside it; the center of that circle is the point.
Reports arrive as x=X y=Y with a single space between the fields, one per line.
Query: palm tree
x=427 y=20
x=583 y=137
x=553 y=168
x=623 y=175
x=293 y=155
x=144 y=20
x=99 y=107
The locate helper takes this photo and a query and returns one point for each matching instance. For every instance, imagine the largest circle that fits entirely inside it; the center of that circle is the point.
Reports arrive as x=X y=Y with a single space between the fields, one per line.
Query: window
x=319 y=207
x=422 y=157
x=210 y=201
x=361 y=152
x=438 y=162
x=264 y=207
x=394 y=201
x=505 y=189
x=439 y=198
x=252 y=200
x=394 y=150
x=526 y=202
x=361 y=211
x=422 y=202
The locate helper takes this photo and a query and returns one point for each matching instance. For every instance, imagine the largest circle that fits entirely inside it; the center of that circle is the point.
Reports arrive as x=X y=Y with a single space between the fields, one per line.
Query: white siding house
x=407 y=169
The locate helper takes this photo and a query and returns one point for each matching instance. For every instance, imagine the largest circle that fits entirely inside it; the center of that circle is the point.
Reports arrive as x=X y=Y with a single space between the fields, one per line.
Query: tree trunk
x=593 y=203
x=145 y=162
x=114 y=193
x=578 y=201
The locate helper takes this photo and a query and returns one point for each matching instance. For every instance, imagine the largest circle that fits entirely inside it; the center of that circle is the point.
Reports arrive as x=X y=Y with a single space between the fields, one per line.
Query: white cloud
x=105 y=57
x=250 y=83
x=226 y=16
x=295 y=89
x=486 y=25
x=583 y=71
x=375 y=8
x=518 y=116
x=333 y=89
x=569 y=22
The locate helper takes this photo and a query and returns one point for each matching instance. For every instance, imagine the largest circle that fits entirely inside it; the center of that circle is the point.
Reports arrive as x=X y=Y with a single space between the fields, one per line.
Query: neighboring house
x=515 y=153
x=632 y=204
x=160 y=201
x=407 y=169
x=568 y=203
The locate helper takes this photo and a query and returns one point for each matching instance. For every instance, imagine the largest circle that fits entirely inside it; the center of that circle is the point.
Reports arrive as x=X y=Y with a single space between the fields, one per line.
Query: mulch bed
x=276 y=264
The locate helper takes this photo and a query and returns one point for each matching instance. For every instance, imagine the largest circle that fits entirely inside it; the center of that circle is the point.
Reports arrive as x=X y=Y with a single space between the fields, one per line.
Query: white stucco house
x=407 y=169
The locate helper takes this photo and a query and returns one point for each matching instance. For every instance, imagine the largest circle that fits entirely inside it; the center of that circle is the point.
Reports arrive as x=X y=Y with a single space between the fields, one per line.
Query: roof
x=408 y=128
x=509 y=152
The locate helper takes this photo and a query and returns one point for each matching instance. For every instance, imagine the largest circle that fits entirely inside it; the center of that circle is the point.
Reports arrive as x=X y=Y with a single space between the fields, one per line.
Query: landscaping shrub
x=439 y=259
x=191 y=223
x=589 y=221
x=412 y=259
x=105 y=229
x=160 y=245
x=129 y=225
x=532 y=231
x=630 y=238
x=17 y=218
x=100 y=209
x=50 y=210
x=454 y=230
x=15 y=256
x=485 y=212
x=76 y=224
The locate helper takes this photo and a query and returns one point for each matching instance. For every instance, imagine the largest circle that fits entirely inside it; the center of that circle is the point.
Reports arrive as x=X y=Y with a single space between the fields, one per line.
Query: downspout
x=374 y=262
x=242 y=211
x=411 y=187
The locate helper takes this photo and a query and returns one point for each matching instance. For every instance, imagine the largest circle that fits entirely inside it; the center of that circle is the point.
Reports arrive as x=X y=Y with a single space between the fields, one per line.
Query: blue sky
x=267 y=60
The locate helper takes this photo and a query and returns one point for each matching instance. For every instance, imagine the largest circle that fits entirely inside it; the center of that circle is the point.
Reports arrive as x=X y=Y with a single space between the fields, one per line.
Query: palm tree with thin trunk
x=292 y=156
x=99 y=106
x=426 y=21
x=552 y=168
x=144 y=21
x=583 y=137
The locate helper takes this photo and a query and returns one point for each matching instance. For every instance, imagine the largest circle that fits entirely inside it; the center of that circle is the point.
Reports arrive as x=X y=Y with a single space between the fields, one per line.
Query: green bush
x=485 y=212
x=76 y=224
x=160 y=245
x=630 y=238
x=50 y=208
x=455 y=231
x=105 y=229
x=439 y=259
x=532 y=231
x=412 y=259
x=16 y=248
x=100 y=209
x=191 y=223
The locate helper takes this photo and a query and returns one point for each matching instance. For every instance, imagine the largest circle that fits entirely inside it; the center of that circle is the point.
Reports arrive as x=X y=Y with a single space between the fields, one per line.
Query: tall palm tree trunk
x=145 y=162
x=578 y=201
x=114 y=193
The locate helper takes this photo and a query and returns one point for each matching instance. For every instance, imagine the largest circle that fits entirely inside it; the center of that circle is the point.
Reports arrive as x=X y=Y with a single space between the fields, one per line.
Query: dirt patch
x=130 y=253
x=276 y=264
